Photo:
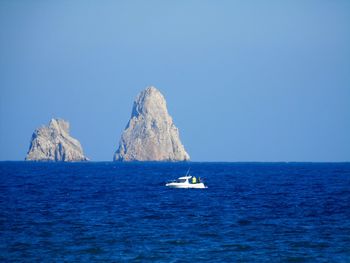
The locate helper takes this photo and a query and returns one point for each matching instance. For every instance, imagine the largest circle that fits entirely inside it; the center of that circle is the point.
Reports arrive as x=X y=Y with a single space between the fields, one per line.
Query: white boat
x=186 y=182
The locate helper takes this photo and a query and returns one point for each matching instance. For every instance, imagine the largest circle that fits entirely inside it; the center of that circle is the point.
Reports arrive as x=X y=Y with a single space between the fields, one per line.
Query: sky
x=243 y=80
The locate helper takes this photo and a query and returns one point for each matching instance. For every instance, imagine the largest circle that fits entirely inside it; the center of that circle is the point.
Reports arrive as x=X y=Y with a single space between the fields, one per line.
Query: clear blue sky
x=244 y=80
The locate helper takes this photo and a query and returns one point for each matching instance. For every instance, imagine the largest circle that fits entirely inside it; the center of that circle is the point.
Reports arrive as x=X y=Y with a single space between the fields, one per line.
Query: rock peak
x=59 y=124
x=150 y=134
x=53 y=143
x=151 y=89
x=150 y=102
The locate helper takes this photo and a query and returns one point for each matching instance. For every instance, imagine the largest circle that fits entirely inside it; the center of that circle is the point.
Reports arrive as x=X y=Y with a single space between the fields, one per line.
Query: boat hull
x=181 y=185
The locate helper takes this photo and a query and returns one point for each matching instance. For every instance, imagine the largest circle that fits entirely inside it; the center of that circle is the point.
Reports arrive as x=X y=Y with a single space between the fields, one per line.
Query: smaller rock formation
x=53 y=143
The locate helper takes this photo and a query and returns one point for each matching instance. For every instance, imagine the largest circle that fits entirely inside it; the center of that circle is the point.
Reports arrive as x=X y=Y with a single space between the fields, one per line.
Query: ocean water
x=122 y=212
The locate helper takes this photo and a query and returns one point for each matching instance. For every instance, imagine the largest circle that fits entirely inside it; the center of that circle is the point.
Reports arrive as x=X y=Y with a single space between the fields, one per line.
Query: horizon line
x=175 y=162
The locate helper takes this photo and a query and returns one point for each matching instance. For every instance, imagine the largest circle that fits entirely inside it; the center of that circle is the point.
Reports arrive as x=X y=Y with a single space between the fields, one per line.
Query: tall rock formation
x=150 y=134
x=53 y=143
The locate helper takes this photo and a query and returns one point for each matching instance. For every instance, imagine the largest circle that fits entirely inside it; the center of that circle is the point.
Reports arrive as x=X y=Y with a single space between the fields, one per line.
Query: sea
x=122 y=212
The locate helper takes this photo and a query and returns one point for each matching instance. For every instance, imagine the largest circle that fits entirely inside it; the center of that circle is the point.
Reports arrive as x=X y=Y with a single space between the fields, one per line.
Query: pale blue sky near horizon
x=244 y=80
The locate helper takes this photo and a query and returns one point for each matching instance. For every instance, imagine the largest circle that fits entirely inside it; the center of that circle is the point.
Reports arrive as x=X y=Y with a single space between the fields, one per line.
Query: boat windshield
x=181 y=180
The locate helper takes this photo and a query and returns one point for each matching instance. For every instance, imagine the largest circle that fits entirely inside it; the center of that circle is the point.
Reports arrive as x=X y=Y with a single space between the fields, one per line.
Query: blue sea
x=122 y=212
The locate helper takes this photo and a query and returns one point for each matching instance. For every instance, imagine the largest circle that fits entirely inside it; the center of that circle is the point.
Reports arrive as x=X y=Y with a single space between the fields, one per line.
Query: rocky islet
x=150 y=134
x=54 y=143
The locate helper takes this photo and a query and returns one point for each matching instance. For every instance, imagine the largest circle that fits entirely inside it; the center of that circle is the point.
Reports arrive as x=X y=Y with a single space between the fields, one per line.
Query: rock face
x=53 y=143
x=150 y=134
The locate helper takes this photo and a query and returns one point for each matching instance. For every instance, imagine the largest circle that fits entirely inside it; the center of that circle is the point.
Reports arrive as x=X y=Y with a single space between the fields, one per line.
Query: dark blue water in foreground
x=117 y=212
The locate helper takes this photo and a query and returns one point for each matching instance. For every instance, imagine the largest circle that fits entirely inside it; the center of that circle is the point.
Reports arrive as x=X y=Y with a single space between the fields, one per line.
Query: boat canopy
x=185 y=177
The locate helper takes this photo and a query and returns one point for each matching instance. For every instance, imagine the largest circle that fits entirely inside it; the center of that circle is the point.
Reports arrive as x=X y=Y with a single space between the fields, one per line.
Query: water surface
x=121 y=212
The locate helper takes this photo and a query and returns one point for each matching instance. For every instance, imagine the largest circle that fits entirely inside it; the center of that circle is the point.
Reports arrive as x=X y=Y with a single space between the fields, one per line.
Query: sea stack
x=150 y=134
x=53 y=143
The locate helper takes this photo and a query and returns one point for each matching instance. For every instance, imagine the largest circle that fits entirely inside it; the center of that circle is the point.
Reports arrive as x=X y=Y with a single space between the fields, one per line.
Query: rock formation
x=150 y=134
x=53 y=143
